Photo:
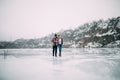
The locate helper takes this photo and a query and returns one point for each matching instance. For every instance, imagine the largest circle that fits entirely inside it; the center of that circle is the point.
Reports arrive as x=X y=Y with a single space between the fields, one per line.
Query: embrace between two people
x=57 y=41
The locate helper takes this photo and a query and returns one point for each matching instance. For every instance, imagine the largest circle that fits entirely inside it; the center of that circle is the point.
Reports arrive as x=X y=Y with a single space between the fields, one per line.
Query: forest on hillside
x=97 y=34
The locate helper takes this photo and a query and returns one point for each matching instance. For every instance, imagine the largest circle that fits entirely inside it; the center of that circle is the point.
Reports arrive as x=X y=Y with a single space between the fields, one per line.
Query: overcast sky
x=37 y=18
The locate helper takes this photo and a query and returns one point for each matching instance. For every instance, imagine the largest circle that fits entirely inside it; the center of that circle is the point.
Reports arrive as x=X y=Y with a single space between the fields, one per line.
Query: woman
x=60 y=43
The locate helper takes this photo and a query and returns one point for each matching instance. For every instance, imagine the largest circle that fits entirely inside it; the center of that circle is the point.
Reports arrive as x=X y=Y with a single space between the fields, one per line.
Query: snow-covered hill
x=102 y=33
x=96 y=34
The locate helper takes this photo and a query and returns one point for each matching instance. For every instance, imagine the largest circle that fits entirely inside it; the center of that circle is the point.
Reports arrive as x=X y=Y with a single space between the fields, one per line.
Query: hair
x=55 y=35
x=59 y=35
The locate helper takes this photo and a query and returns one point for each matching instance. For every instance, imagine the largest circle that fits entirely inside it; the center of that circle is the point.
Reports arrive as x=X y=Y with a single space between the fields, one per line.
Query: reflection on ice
x=75 y=64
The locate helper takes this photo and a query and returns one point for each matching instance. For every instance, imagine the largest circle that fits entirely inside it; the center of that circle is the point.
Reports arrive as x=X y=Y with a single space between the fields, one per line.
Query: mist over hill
x=101 y=33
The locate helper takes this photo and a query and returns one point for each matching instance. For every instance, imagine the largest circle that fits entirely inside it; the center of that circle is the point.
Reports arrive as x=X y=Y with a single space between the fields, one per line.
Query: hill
x=101 y=33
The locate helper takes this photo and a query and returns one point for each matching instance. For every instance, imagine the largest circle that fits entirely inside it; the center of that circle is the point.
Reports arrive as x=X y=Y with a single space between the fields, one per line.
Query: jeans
x=55 y=50
x=60 y=49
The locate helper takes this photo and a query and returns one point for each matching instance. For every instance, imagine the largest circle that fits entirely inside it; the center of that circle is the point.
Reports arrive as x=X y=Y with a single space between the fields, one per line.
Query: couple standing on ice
x=57 y=41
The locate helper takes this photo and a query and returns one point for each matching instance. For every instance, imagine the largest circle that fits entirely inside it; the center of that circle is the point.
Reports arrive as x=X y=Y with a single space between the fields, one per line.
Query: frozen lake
x=75 y=64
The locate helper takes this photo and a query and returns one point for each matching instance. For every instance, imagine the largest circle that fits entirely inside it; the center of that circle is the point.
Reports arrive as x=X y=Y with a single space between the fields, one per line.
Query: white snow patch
x=76 y=38
x=87 y=35
x=93 y=45
x=118 y=25
x=103 y=25
x=104 y=34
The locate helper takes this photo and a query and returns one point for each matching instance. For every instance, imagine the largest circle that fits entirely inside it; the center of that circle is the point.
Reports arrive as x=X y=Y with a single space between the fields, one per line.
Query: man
x=55 y=43
x=60 y=43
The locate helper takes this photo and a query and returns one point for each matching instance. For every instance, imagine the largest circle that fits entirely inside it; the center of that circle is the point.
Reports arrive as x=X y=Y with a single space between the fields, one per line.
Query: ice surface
x=75 y=64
